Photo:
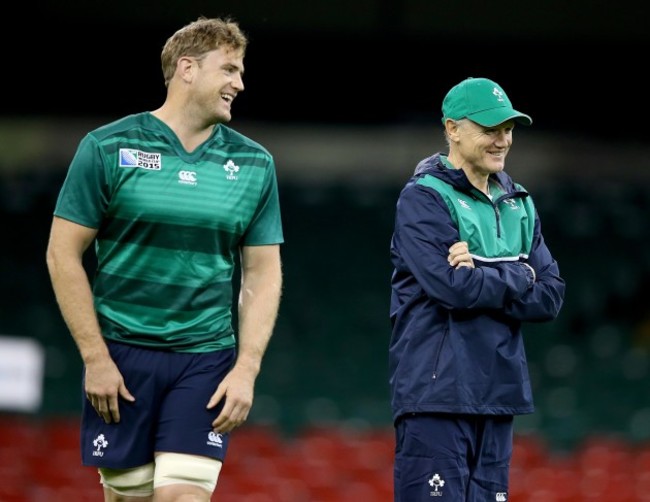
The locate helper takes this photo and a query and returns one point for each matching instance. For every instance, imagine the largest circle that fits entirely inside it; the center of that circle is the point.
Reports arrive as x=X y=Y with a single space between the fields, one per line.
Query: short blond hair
x=199 y=37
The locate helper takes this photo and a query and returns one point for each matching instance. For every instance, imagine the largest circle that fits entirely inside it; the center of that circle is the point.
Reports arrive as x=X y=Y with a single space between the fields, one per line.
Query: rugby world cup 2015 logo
x=130 y=157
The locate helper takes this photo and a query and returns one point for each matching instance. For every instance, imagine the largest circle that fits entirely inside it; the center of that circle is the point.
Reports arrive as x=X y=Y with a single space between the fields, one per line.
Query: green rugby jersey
x=170 y=224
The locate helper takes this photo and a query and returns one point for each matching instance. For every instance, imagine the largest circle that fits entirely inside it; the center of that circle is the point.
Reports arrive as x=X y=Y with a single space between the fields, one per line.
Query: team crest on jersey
x=231 y=170
x=144 y=160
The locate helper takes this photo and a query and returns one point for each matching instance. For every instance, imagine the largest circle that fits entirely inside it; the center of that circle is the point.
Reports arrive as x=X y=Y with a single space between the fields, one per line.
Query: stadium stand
x=320 y=428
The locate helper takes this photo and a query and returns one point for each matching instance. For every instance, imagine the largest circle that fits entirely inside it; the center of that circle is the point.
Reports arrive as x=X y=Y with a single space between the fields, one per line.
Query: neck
x=190 y=133
x=478 y=180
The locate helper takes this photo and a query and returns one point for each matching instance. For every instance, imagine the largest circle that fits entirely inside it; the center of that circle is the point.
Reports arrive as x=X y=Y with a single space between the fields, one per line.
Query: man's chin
x=496 y=165
x=224 y=117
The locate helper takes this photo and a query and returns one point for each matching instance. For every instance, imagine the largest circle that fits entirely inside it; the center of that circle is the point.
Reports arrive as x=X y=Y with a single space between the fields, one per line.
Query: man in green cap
x=470 y=267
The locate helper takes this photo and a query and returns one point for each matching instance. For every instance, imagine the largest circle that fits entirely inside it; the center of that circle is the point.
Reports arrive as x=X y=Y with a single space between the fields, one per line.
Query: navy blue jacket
x=456 y=343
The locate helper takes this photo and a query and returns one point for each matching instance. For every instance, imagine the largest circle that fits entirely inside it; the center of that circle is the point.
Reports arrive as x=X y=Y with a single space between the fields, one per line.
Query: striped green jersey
x=170 y=225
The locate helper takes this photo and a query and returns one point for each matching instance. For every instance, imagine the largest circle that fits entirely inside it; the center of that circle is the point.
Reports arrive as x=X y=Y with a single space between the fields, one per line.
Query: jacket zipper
x=434 y=376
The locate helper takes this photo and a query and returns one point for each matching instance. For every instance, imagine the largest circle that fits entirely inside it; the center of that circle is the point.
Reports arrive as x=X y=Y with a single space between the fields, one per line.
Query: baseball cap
x=481 y=100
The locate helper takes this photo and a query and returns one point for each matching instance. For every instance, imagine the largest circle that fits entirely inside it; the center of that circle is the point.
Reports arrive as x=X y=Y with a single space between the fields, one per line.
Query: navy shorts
x=169 y=414
x=460 y=458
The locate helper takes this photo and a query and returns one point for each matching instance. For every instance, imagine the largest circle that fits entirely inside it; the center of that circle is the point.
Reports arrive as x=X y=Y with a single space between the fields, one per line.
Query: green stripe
x=251 y=156
x=178 y=331
x=168 y=236
x=169 y=266
x=157 y=295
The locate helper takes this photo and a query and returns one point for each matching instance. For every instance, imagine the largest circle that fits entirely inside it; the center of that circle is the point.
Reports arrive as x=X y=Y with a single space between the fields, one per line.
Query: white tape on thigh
x=136 y=482
x=174 y=468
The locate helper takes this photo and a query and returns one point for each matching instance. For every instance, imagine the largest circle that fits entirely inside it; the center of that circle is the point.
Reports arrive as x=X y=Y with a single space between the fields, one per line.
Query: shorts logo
x=501 y=497
x=215 y=439
x=144 y=160
x=436 y=482
x=187 y=178
x=99 y=442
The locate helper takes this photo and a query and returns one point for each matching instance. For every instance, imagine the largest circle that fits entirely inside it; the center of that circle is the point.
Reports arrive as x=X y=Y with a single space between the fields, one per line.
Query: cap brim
x=496 y=116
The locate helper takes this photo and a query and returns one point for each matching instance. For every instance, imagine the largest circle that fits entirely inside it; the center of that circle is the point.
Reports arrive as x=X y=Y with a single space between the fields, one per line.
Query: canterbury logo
x=187 y=177
x=464 y=204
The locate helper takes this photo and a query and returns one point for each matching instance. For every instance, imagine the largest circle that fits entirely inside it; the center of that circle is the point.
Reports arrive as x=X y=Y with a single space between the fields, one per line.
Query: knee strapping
x=174 y=468
x=136 y=482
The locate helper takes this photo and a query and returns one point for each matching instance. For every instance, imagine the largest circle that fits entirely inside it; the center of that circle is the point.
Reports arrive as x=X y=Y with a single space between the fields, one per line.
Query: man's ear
x=451 y=127
x=185 y=68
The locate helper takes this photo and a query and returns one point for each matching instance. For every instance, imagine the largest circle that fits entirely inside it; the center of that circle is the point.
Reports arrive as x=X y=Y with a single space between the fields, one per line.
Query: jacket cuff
x=530 y=273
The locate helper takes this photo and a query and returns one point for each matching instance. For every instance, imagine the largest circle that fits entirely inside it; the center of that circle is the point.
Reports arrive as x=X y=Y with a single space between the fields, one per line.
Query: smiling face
x=217 y=78
x=476 y=149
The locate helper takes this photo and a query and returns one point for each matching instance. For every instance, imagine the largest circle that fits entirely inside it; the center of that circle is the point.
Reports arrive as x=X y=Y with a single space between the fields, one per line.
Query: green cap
x=482 y=101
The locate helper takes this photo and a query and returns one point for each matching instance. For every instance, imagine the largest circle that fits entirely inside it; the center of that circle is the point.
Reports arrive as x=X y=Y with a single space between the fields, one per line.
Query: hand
x=104 y=385
x=459 y=256
x=237 y=390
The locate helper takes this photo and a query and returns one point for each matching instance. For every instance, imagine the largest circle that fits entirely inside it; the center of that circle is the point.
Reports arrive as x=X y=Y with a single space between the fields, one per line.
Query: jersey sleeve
x=266 y=226
x=84 y=195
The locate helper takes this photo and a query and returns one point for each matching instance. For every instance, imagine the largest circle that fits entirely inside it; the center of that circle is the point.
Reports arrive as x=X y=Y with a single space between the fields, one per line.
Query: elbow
x=50 y=259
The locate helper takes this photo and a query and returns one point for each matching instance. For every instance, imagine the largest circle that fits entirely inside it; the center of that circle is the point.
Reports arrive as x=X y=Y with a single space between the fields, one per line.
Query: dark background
x=575 y=66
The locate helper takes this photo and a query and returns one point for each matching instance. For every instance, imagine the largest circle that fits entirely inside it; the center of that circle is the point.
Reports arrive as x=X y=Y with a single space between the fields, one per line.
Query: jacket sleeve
x=543 y=301
x=424 y=231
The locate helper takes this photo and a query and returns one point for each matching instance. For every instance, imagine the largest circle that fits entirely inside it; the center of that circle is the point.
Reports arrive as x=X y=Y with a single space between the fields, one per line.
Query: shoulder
x=426 y=192
x=118 y=126
x=429 y=164
x=509 y=185
x=235 y=138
